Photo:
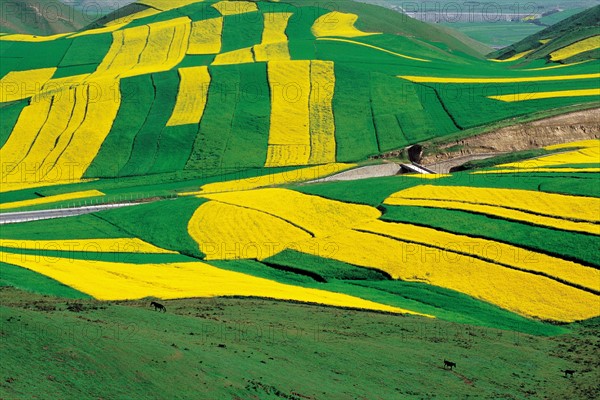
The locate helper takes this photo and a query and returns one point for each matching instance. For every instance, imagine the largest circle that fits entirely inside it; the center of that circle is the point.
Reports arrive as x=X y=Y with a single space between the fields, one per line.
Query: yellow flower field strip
x=591 y=143
x=165 y=5
x=235 y=7
x=117 y=245
x=205 y=37
x=271 y=52
x=509 y=98
x=591 y=43
x=338 y=24
x=492 y=251
x=426 y=176
x=275 y=25
x=132 y=17
x=587 y=155
x=19 y=37
x=315 y=214
x=121 y=281
x=556 y=66
x=289 y=84
x=17 y=85
x=66 y=137
x=274 y=43
x=375 y=48
x=239 y=56
x=97 y=31
x=60 y=86
x=64 y=117
x=103 y=103
x=228 y=232
x=51 y=199
x=172 y=35
x=124 y=52
x=432 y=79
x=322 y=125
x=30 y=122
x=577 y=208
x=516 y=57
x=505 y=213
x=192 y=96
x=521 y=292
x=279 y=178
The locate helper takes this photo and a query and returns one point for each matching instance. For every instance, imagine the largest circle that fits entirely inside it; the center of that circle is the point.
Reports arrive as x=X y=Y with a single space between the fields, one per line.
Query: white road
x=26 y=216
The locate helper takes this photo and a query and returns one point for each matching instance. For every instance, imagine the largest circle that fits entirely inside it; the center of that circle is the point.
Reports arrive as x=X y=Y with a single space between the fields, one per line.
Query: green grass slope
x=242 y=348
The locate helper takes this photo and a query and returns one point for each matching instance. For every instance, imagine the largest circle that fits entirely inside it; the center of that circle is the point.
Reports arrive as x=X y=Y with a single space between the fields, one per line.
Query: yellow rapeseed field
x=117 y=245
x=239 y=56
x=205 y=37
x=192 y=96
x=125 y=51
x=228 y=232
x=172 y=35
x=591 y=43
x=279 y=178
x=102 y=104
x=337 y=23
x=521 y=292
x=322 y=125
x=289 y=84
x=506 y=213
x=432 y=79
x=490 y=250
x=516 y=57
x=577 y=208
x=589 y=153
x=509 y=98
x=16 y=175
x=315 y=214
x=275 y=25
x=235 y=7
x=19 y=37
x=274 y=43
x=121 y=281
x=17 y=85
x=51 y=199
x=57 y=137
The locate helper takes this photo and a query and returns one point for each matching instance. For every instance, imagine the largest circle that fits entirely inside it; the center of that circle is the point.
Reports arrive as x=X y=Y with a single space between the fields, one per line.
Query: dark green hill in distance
x=571 y=31
x=39 y=17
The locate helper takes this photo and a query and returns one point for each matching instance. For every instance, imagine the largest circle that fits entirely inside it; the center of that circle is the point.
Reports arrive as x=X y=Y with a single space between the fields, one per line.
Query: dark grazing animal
x=449 y=364
x=568 y=372
x=158 y=307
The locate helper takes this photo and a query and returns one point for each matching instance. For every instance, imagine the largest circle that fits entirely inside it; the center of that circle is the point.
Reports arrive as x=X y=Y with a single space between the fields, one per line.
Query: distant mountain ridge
x=40 y=17
x=580 y=28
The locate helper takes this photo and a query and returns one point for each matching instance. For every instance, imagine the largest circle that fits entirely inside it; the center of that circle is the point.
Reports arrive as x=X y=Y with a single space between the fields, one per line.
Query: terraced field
x=189 y=85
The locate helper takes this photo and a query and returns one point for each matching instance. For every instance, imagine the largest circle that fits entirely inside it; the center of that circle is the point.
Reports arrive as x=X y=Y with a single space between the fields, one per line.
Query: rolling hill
x=574 y=39
x=201 y=127
x=45 y=17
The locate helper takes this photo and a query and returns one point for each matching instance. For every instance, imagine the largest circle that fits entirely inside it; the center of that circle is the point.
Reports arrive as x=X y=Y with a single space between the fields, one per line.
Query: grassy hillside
x=566 y=34
x=241 y=348
x=45 y=17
